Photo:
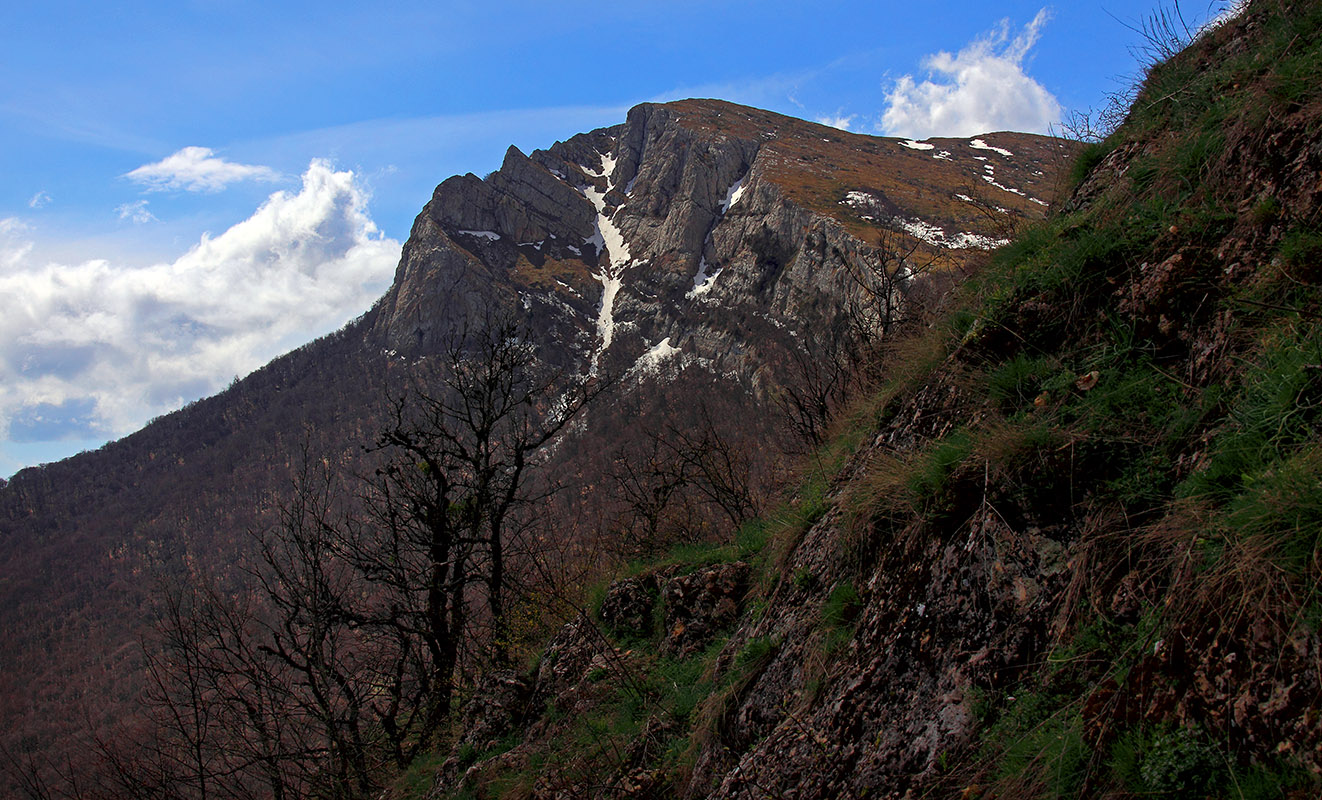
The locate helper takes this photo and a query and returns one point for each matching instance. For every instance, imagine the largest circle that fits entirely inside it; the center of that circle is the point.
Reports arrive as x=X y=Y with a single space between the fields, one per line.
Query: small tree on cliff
x=456 y=488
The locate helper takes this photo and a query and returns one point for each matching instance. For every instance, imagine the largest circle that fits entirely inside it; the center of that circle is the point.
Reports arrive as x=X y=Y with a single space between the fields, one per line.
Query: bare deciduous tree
x=368 y=602
x=680 y=482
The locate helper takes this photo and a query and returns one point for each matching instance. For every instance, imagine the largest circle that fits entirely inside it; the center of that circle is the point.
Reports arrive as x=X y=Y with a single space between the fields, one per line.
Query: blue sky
x=191 y=188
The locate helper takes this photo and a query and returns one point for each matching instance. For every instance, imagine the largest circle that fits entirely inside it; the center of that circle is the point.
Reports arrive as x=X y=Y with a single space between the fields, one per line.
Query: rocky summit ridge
x=655 y=236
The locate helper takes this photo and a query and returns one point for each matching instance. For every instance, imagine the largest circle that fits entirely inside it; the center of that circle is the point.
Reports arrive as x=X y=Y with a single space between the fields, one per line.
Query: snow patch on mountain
x=651 y=360
x=935 y=236
x=733 y=194
x=861 y=202
x=610 y=287
x=702 y=282
x=990 y=177
x=606 y=238
x=965 y=241
x=922 y=230
x=978 y=144
x=992 y=180
x=605 y=231
x=607 y=168
x=857 y=199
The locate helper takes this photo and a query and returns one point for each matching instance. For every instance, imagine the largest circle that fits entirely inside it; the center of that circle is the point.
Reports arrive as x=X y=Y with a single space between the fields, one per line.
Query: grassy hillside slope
x=1070 y=549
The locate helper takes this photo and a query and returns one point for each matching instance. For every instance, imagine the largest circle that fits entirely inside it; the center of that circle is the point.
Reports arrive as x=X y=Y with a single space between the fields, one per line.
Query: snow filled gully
x=606 y=237
x=702 y=282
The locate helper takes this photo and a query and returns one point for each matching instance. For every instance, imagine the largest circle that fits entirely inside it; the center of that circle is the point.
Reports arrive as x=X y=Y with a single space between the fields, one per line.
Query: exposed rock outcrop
x=719 y=229
x=627 y=607
x=701 y=604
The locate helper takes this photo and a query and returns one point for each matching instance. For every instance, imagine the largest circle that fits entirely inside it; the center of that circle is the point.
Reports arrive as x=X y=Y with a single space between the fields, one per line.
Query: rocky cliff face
x=699 y=231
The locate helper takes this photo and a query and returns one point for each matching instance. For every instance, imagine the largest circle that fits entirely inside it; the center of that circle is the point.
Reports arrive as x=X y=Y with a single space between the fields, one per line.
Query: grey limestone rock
x=701 y=604
x=627 y=607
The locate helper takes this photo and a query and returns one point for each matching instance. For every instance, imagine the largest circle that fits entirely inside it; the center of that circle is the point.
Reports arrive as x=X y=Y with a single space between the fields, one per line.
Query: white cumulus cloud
x=981 y=88
x=197 y=169
x=39 y=200
x=13 y=246
x=837 y=120
x=98 y=348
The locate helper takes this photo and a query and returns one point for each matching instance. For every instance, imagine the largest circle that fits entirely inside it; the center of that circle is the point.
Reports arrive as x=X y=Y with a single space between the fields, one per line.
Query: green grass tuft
x=1088 y=158
x=842 y=606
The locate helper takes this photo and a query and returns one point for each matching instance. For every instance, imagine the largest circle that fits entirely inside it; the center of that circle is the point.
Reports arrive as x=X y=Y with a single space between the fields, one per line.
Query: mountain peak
x=681 y=187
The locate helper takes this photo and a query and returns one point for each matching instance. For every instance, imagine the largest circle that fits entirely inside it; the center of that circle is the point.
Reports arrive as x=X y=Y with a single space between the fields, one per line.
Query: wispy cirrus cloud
x=136 y=212
x=39 y=200
x=981 y=88
x=197 y=169
x=98 y=348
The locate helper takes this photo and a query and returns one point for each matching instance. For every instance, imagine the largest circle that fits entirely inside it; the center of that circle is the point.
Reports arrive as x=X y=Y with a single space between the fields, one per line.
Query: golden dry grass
x=816 y=166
